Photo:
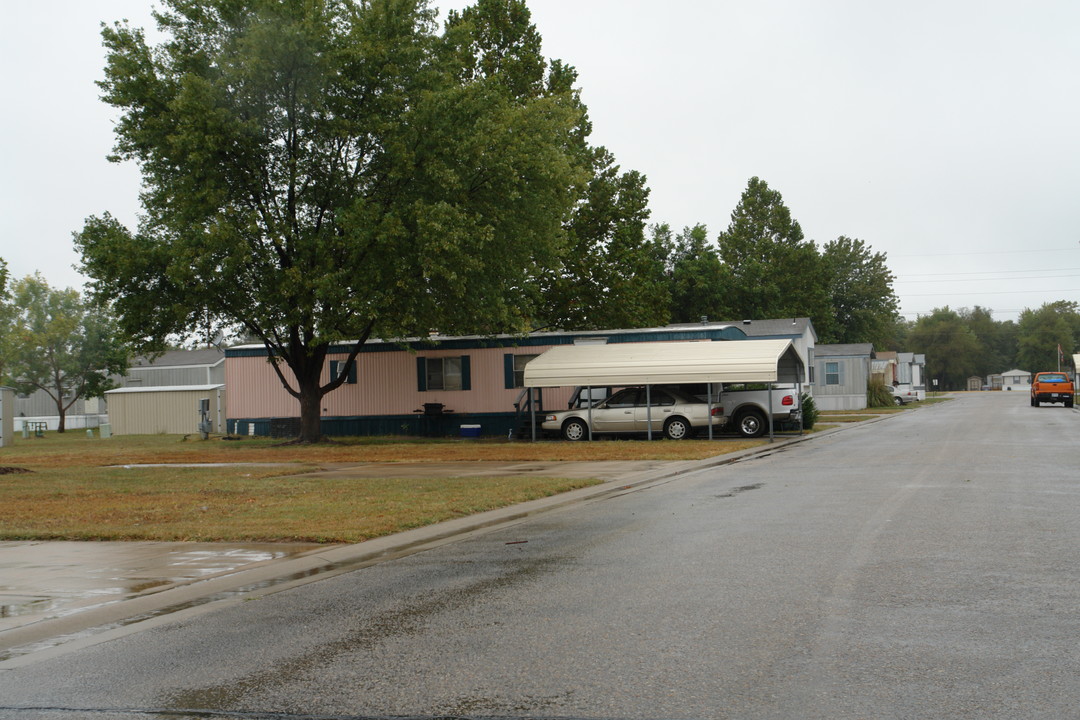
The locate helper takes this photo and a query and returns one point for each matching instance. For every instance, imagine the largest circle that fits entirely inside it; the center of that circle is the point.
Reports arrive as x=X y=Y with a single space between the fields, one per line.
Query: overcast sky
x=943 y=133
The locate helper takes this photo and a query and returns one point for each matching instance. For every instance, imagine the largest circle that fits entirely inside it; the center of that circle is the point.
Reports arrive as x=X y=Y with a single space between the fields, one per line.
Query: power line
x=958 y=280
x=995 y=272
x=989 y=292
x=989 y=252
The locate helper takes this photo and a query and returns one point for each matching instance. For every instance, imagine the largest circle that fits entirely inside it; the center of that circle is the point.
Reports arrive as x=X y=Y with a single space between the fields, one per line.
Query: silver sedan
x=632 y=410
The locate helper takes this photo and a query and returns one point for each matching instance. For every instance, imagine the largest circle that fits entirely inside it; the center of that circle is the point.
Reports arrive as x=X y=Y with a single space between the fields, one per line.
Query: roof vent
x=747 y=322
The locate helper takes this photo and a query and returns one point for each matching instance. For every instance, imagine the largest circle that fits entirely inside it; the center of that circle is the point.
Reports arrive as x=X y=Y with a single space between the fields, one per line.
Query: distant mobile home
x=843 y=372
x=1019 y=380
x=429 y=386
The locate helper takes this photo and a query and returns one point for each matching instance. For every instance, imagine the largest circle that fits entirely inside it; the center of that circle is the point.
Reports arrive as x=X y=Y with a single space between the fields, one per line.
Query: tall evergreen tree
x=864 y=306
x=770 y=269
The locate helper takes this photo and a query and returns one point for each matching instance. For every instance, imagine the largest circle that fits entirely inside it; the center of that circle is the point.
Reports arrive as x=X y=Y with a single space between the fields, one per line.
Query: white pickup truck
x=746 y=410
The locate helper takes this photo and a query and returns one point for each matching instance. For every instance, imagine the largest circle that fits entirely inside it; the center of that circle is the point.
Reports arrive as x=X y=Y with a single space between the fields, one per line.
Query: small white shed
x=165 y=410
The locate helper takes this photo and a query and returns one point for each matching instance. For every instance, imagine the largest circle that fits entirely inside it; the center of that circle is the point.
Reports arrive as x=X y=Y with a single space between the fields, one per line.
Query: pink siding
x=386 y=385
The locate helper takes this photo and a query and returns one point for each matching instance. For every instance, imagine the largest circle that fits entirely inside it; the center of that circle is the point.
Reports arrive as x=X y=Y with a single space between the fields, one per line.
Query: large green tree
x=864 y=305
x=1041 y=332
x=64 y=347
x=327 y=171
x=770 y=269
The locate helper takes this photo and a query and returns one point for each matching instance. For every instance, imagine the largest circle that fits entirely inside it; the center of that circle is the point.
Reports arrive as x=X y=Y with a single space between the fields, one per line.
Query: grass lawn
x=72 y=487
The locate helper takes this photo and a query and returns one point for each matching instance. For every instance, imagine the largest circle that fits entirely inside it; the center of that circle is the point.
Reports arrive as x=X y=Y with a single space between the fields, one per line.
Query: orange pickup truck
x=1051 y=387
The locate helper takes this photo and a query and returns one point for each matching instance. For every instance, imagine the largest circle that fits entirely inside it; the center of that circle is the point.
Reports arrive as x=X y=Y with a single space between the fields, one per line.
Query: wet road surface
x=53 y=594
x=920 y=567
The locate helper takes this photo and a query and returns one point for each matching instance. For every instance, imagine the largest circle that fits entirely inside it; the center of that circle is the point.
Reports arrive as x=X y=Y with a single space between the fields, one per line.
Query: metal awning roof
x=664 y=363
x=164 y=388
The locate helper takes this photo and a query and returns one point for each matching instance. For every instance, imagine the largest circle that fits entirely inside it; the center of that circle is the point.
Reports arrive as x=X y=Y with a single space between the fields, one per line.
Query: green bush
x=809 y=411
x=878 y=395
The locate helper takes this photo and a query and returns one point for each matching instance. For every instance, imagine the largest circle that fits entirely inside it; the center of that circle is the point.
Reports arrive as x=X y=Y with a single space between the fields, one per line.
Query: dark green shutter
x=466 y=379
x=333 y=370
x=352 y=373
x=508 y=371
x=421 y=374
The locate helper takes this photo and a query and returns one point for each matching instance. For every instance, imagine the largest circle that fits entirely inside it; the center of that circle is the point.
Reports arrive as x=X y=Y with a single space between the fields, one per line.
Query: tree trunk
x=61 y=425
x=310 y=408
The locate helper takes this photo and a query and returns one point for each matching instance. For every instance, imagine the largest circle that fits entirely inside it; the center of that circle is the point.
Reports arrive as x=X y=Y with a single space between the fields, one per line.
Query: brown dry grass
x=75 y=449
x=244 y=504
x=78 y=487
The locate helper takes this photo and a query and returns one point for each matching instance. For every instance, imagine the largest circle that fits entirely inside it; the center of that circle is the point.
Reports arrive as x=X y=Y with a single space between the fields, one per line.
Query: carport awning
x=662 y=363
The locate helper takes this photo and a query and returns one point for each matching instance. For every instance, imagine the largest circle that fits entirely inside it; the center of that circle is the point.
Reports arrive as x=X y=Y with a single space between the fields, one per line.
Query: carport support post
x=588 y=389
x=708 y=394
x=798 y=399
x=648 y=409
x=532 y=412
x=768 y=414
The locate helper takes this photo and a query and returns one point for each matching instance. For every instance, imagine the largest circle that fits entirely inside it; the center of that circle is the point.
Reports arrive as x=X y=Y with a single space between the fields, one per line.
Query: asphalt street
x=918 y=567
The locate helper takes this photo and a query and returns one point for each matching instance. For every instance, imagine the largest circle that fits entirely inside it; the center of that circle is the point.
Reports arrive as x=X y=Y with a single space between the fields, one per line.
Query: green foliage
x=1040 y=332
x=770 y=270
x=696 y=273
x=809 y=411
x=320 y=171
x=63 y=346
x=7 y=323
x=997 y=339
x=861 y=294
x=878 y=394
x=614 y=274
x=952 y=349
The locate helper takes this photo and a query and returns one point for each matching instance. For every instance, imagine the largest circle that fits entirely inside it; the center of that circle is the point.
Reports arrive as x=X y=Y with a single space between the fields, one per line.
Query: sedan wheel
x=575 y=430
x=677 y=428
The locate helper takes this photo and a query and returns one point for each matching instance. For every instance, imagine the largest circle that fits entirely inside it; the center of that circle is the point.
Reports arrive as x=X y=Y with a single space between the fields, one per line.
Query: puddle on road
x=17 y=607
x=57 y=580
